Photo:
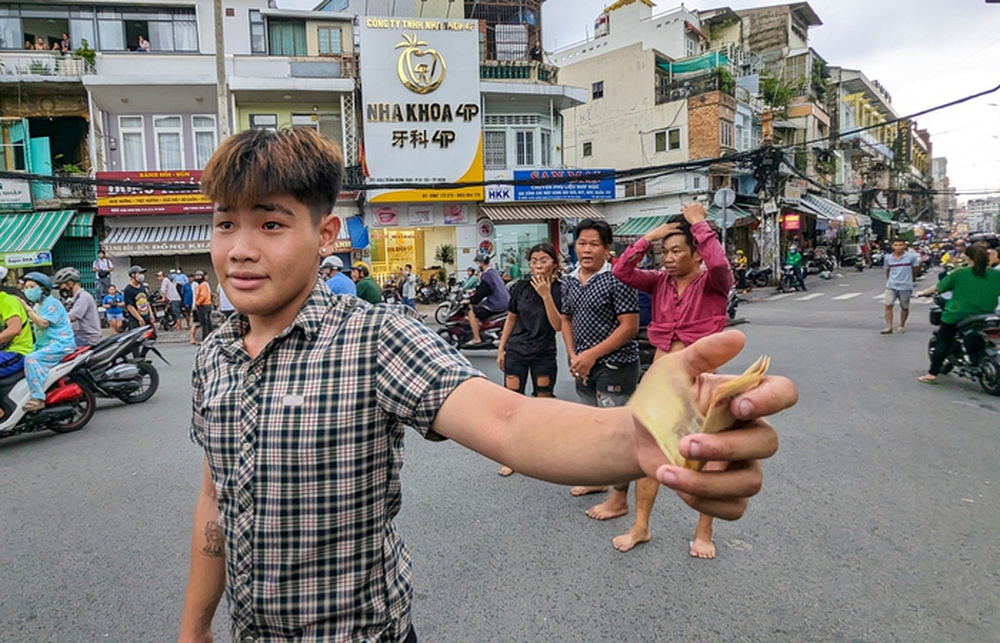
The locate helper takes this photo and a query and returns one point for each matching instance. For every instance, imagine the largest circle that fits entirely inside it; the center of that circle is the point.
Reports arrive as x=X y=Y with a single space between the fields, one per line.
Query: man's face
x=265 y=255
x=678 y=257
x=898 y=247
x=590 y=250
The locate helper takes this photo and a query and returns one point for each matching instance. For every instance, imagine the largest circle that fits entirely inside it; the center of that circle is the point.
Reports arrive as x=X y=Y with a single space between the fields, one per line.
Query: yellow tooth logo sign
x=421 y=69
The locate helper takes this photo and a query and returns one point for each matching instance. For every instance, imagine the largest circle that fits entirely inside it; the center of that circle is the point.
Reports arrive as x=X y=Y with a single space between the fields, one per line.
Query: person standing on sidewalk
x=203 y=303
x=689 y=302
x=136 y=297
x=901 y=267
x=103 y=267
x=408 y=287
x=600 y=319
x=528 y=342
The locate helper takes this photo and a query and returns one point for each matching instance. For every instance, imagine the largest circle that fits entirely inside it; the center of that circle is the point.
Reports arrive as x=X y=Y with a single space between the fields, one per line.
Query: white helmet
x=64 y=275
x=3 y=273
x=333 y=261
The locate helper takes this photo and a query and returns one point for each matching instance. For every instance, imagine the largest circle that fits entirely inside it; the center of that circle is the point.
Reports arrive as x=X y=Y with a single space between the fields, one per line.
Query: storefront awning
x=144 y=241
x=827 y=209
x=885 y=216
x=81 y=226
x=540 y=212
x=27 y=240
x=638 y=226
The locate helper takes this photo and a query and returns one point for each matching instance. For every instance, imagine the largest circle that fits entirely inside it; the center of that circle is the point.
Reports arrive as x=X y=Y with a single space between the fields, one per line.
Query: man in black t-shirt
x=136 y=295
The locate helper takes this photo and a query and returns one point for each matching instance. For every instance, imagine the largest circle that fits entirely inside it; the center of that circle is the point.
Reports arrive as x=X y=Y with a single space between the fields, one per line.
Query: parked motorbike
x=458 y=332
x=390 y=294
x=974 y=353
x=759 y=276
x=733 y=303
x=117 y=367
x=69 y=402
x=161 y=308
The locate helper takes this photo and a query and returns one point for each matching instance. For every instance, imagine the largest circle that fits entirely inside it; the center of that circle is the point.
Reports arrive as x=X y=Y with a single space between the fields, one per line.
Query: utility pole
x=221 y=84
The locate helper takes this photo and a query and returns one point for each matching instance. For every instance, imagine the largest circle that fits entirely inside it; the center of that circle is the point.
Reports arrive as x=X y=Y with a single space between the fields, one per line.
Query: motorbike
x=759 y=276
x=117 y=367
x=974 y=353
x=732 y=303
x=452 y=303
x=69 y=401
x=390 y=294
x=458 y=333
x=161 y=308
x=788 y=282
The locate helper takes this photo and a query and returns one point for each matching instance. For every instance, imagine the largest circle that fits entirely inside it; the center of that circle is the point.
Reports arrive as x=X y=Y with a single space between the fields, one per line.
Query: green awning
x=26 y=240
x=638 y=226
x=734 y=213
x=885 y=216
x=82 y=225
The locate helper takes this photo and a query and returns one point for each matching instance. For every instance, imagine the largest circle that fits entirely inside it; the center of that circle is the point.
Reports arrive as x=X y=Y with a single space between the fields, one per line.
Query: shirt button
x=251 y=379
x=246 y=447
x=242 y=578
x=248 y=638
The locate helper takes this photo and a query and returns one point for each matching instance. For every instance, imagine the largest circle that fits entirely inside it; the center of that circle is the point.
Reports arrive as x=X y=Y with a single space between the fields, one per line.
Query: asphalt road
x=874 y=524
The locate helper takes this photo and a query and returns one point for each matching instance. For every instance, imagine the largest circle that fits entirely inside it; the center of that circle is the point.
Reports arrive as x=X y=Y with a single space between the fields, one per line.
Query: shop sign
x=158 y=248
x=576 y=187
x=792 y=222
x=385 y=215
x=420 y=215
x=422 y=120
x=342 y=245
x=454 y=214
x=27 y=259
x=15 y=194
x=486 y=228
x=123 y=200
x=794 y=191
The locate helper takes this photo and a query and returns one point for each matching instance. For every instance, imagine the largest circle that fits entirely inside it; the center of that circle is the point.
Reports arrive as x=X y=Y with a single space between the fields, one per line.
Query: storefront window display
x=513 y=240
x=393 y=248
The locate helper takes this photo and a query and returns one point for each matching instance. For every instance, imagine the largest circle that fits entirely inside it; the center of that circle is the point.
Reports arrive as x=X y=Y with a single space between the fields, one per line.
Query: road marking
x=781 y=296
x=850 y=295
x=877 y=297
x=808 y=297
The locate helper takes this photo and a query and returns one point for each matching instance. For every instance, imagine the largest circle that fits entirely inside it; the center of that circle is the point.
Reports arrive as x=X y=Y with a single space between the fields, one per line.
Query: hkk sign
x=421 y=114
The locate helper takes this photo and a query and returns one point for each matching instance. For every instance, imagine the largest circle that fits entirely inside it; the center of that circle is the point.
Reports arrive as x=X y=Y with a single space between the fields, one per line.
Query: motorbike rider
x=83 y=314
x=15 y=333
x=491 y=297
x=794 y=260
x=975 y=290
x=471 y=280
x=366 y=286
x=336 y=280
x=740 y=265
x=53 y=335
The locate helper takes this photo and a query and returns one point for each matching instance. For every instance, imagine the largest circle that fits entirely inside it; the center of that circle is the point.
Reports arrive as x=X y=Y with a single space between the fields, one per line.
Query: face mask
x=33 y=294
x=140 y=277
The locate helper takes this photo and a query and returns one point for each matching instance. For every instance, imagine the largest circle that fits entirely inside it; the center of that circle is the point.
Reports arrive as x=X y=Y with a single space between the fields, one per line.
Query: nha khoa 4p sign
x=422 y=121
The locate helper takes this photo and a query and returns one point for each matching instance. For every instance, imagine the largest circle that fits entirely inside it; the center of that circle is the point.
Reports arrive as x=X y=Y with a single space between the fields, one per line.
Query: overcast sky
x=925 y=53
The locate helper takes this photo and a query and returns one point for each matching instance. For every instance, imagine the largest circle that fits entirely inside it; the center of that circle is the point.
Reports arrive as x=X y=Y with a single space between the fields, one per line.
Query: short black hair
x=900 y=240
x=545 y=247
x=602 y=227
x=685 y=229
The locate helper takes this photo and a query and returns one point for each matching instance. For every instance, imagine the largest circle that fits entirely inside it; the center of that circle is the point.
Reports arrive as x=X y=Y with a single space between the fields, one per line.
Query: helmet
x=3 y=273
x=362 y=267
x=333 y=261
x=39 y=278
x=739 y=252
x=65 y=275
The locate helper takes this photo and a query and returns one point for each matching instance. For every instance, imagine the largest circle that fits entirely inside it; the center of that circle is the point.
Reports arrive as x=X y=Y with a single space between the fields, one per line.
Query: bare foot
x=628 y=540
x=505 y=471
x=702 y=548
x=608 y=509
x=583 y=491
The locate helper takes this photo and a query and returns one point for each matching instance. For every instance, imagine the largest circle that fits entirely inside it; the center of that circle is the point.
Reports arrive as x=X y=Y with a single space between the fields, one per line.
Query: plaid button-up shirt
x=305 y=445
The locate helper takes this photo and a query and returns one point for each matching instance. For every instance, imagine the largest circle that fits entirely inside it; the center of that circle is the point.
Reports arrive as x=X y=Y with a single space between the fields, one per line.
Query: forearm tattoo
x=215 y=543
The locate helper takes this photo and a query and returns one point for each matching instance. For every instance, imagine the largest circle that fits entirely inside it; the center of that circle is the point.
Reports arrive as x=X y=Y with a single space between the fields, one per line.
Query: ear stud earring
x=322 y=250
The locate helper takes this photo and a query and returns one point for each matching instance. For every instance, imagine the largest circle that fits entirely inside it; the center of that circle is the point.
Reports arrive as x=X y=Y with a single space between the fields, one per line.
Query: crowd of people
x=62 y=46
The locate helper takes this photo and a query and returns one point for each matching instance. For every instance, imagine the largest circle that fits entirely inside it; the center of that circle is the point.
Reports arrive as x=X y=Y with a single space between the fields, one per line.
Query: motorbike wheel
x=760 y=281
x=442 y=313
x=931 y=346
x=150 y=382
x=989 y=373
x=448 y=337
x=83 y=411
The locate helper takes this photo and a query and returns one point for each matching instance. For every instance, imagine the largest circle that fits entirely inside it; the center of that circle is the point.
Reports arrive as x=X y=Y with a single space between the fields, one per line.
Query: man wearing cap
x=336 y=280
x=203 y=303
x=136 y=296
x=366 y=286
x=168 y=289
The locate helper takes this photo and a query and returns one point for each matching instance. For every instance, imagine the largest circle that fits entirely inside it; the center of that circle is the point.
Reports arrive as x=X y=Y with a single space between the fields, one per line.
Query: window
x=546 y=143
x=133 y=143
x=597 y=90
x=690 y=47
x=588 y=149
x=169 y=134
x=668 y=140
x=204 y=139
x=726 y=134
x=495 y=143
x=329 y=41
x=258 y=36
x=305 y=120
x=264 y=121
x=635 y=188
x=287 y=37
x=525 y=141
x=697 y=183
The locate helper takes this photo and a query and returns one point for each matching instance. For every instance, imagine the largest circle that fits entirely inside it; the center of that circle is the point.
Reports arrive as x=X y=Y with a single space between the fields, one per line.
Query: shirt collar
x=309 y=319
x=605 y=268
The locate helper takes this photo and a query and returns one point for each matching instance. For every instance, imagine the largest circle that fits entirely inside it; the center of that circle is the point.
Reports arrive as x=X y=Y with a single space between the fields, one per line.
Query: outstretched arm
x=583 y=445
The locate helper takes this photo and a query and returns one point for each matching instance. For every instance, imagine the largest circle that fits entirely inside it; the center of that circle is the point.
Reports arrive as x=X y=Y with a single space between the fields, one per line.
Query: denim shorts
x=902 y=296
x=541 y=370
x=609 y=384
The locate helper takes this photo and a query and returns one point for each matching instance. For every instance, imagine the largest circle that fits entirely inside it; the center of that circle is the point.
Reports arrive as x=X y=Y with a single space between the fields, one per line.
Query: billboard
x=422 y=121
x=123 y=200
x=15 y=194
x=569 y=185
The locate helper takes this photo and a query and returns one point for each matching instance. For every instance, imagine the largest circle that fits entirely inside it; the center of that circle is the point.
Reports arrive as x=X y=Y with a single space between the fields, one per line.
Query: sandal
x=885 y=331
x=33 y=405
x=927 y=379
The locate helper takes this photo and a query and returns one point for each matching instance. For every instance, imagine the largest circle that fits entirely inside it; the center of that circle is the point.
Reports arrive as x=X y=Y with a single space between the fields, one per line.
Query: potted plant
x=445 y=253
x=86 y=54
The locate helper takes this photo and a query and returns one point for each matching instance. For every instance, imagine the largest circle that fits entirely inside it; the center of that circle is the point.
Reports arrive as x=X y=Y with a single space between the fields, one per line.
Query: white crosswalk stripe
x=809 y=297
x=848 y=295
x=781 y=296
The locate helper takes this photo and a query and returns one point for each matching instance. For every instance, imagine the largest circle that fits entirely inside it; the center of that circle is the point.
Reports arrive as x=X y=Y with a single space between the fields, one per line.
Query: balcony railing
x=531 y=71
x=41 y=63
x=686 y=87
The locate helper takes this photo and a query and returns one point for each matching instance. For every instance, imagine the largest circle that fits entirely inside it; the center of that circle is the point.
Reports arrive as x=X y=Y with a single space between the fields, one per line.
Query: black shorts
x=205 y=319
x=609 y=384
x=517 y=369
x=483 y=313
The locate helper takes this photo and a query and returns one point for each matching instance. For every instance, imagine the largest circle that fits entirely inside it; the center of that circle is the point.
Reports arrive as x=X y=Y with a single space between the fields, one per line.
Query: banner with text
x=124 y=200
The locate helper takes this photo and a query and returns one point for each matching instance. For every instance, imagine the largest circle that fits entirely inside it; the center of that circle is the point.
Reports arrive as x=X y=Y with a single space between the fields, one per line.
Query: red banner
x=125 y=200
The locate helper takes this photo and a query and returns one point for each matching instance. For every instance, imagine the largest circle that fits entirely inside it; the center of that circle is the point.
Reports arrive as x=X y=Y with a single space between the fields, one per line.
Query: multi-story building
x=982 y=214
x=945 y=200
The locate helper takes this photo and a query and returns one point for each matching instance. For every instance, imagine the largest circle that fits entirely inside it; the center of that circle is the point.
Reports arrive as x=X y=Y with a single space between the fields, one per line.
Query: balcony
x=867 y=143
x=529 y=71
x=686 y=87
x=39 y=65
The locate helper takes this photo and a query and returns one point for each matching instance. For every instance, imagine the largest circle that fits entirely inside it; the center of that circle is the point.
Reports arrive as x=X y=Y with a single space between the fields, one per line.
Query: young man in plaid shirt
x=299 y=402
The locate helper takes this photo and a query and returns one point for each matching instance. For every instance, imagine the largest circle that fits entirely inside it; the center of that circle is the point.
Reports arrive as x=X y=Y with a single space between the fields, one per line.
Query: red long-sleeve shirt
x=697 y=312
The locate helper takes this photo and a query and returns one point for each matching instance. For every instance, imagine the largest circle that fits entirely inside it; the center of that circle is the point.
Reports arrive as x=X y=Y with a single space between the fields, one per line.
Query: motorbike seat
x=978 y=320
x=11 y=380
x=75 y=354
